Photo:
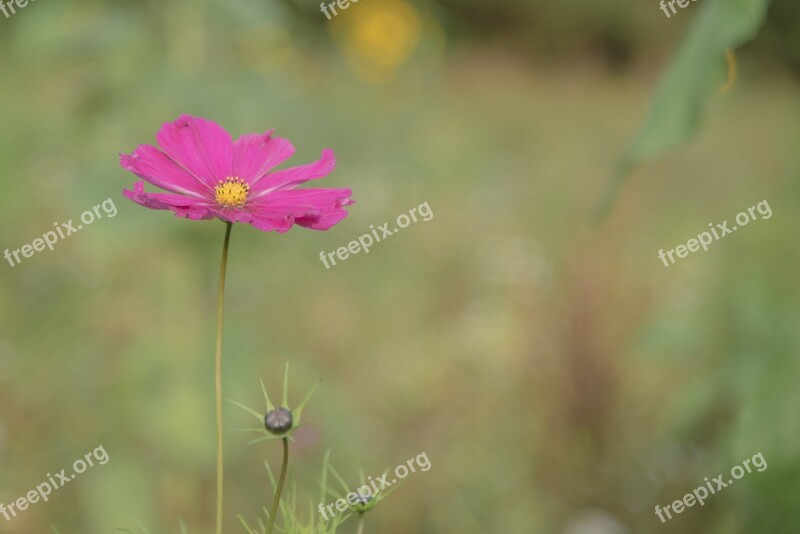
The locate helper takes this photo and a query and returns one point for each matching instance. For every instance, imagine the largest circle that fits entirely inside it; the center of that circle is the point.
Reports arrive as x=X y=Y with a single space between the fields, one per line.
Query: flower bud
x=363 y=498
x=278 y=421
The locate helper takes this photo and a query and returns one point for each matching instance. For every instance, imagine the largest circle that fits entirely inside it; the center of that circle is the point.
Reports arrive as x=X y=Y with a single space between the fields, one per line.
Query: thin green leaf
x=286 y=387
x=301 y=407
x=324 y=482
x=340 y=479
x=361 y=477
x=259 y=416
x=260 y=430
x=271 y=475
x=245 y=525
x=270 y=406
x=691 y=80
x=263 y=438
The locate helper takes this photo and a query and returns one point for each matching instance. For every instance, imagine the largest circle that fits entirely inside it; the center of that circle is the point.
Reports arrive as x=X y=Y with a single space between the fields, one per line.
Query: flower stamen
x=231 y=192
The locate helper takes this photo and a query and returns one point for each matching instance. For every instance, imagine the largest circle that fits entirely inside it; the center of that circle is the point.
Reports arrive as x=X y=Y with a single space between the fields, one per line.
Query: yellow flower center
x=231 y=192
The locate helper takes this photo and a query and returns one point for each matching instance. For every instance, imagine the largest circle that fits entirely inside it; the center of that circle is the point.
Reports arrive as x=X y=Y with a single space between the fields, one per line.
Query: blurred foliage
x=558 y=376
x=697 y=73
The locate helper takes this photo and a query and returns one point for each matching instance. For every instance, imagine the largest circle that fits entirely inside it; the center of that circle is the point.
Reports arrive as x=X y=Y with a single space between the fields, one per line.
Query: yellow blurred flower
x=378 y=37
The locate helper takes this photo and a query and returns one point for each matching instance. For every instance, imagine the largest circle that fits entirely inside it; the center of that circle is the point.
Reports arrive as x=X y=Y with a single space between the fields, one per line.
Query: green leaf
x=339 y=479
x=695 y=74
x=266 y=437
x=247 y=409
x=245 y=525
x=324 y=482
x=270 y=406
x=299 y=410
x=286 y=387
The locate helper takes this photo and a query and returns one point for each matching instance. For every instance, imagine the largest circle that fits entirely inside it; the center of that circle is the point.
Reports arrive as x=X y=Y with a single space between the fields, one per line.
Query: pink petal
x=324 y=221
x=183 y=206
x=254 y=155
x=273 y=224
x=232 y=215
x=152 y=165
x=289 y=178
x=200 y=146
x=318 y=209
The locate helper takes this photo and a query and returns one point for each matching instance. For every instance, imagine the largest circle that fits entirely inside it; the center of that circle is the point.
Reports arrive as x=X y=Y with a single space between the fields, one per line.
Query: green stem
x=279 y=489
x=360 y=524
x=218 y=369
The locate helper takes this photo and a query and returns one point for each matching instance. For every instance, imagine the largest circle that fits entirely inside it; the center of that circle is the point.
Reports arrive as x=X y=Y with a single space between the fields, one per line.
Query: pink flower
x=209 y=175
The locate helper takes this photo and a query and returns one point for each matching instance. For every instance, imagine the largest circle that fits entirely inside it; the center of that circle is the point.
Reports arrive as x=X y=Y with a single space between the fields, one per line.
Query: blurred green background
x=559 y=378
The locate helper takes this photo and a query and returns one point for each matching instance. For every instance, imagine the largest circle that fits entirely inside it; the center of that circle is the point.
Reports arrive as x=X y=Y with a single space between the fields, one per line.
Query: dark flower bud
x=278 y=421
x=363 y=498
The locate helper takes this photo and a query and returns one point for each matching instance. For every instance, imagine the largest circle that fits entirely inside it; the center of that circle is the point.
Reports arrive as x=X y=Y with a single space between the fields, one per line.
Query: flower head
x=209 y=175
x=365 y=498
x=279 y=421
